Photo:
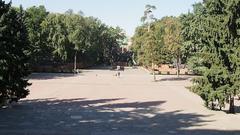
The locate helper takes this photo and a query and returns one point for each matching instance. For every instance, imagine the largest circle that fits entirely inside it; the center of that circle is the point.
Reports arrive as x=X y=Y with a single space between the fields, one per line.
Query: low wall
x=169 y=69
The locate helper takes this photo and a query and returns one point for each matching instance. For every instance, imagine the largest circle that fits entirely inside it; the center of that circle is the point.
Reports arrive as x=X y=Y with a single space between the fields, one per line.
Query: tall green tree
x=57 y=35
x=165 y=42
x=112 y=40
x=138 y=45
x=14 y=51
x=218 y=46
x=191 y=33
x=76 y=27
x=149 y=18
x=173 y=39
x=78 y=39
x=34 y=18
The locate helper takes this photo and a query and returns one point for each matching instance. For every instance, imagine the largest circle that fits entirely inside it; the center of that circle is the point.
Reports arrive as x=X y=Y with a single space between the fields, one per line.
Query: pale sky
x=123 y=13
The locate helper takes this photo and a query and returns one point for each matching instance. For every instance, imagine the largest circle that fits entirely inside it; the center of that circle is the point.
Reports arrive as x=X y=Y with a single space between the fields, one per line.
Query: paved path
x=98 y=103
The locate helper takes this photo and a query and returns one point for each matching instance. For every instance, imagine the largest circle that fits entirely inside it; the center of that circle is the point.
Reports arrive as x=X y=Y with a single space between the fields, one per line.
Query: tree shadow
x=183 y=78
x=49 y=76
x=226 y=110
x=237 y=109
x=99 y=117
x=100 y=68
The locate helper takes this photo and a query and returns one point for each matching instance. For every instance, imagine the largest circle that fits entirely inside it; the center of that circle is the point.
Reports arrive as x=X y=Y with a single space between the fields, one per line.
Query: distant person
x=118 y=68
x=118 y=74
x=118 y=71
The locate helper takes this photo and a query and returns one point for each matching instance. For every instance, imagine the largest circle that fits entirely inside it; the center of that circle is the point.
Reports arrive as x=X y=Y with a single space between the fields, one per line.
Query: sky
x=123 y=13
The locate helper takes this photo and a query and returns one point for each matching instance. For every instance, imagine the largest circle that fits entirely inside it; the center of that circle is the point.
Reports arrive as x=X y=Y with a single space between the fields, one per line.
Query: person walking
x=118 y=71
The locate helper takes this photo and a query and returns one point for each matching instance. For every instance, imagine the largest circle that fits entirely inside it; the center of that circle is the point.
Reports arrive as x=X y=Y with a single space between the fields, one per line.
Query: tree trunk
x=178 y=68
x=178 y=61
x=231 y=105
x=213 y=106
x=75 y=63
x=154 y=76
x=149 y=27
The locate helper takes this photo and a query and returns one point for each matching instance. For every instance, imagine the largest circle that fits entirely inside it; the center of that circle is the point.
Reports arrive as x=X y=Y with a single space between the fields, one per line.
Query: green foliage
x=57 y=35
x=70 y=38
x=196 y=65
x=85 y=39
x=163 y=42
x=40 y=37
x=14 y=51
x=212 y=36
x=40 y=53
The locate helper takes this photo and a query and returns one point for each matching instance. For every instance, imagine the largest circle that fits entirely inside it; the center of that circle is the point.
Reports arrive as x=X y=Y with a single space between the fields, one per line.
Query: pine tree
x=13 y=54
x=218 y=44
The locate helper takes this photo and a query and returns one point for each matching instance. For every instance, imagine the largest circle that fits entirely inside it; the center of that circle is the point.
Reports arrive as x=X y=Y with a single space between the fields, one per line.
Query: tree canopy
x=34 y=37
x=165 y=40
x=207 y=40
x=211 y=34
x=71 y=38
x=14 y=54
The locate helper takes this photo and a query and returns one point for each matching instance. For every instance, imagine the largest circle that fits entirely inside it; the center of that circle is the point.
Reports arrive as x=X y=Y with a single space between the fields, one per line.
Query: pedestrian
x=118 y=71
x=118 y=74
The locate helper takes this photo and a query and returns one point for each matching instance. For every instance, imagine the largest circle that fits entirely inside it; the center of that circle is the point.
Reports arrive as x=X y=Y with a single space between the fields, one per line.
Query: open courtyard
x=96 y=102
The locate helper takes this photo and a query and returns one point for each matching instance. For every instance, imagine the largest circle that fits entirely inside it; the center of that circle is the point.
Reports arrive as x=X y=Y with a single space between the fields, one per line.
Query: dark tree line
x=71 y=38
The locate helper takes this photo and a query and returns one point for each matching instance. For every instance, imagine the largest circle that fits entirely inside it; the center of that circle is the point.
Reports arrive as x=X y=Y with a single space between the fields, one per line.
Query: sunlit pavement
x=97 y=102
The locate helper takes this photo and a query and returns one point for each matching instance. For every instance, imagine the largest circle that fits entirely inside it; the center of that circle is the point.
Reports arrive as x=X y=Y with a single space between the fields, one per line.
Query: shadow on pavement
x=48 y=76
x=100 y=68
x=99 y=117
x=175 y=79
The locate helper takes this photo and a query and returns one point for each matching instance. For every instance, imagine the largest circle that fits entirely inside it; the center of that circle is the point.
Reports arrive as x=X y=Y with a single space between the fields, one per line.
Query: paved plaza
x=96 y=102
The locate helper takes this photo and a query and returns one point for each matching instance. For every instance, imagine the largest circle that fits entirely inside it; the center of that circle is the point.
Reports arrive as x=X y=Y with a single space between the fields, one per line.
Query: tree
x=76 y=27
x=14 y=50
x=40 y=53
x=75 y=38
x=173 y=39
x=149 y=18
x=69 y=12
x=164 y=54
x=56 y=31
x=218 y=47
x=191 y=31
x=162 y=37
x=138 y=45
